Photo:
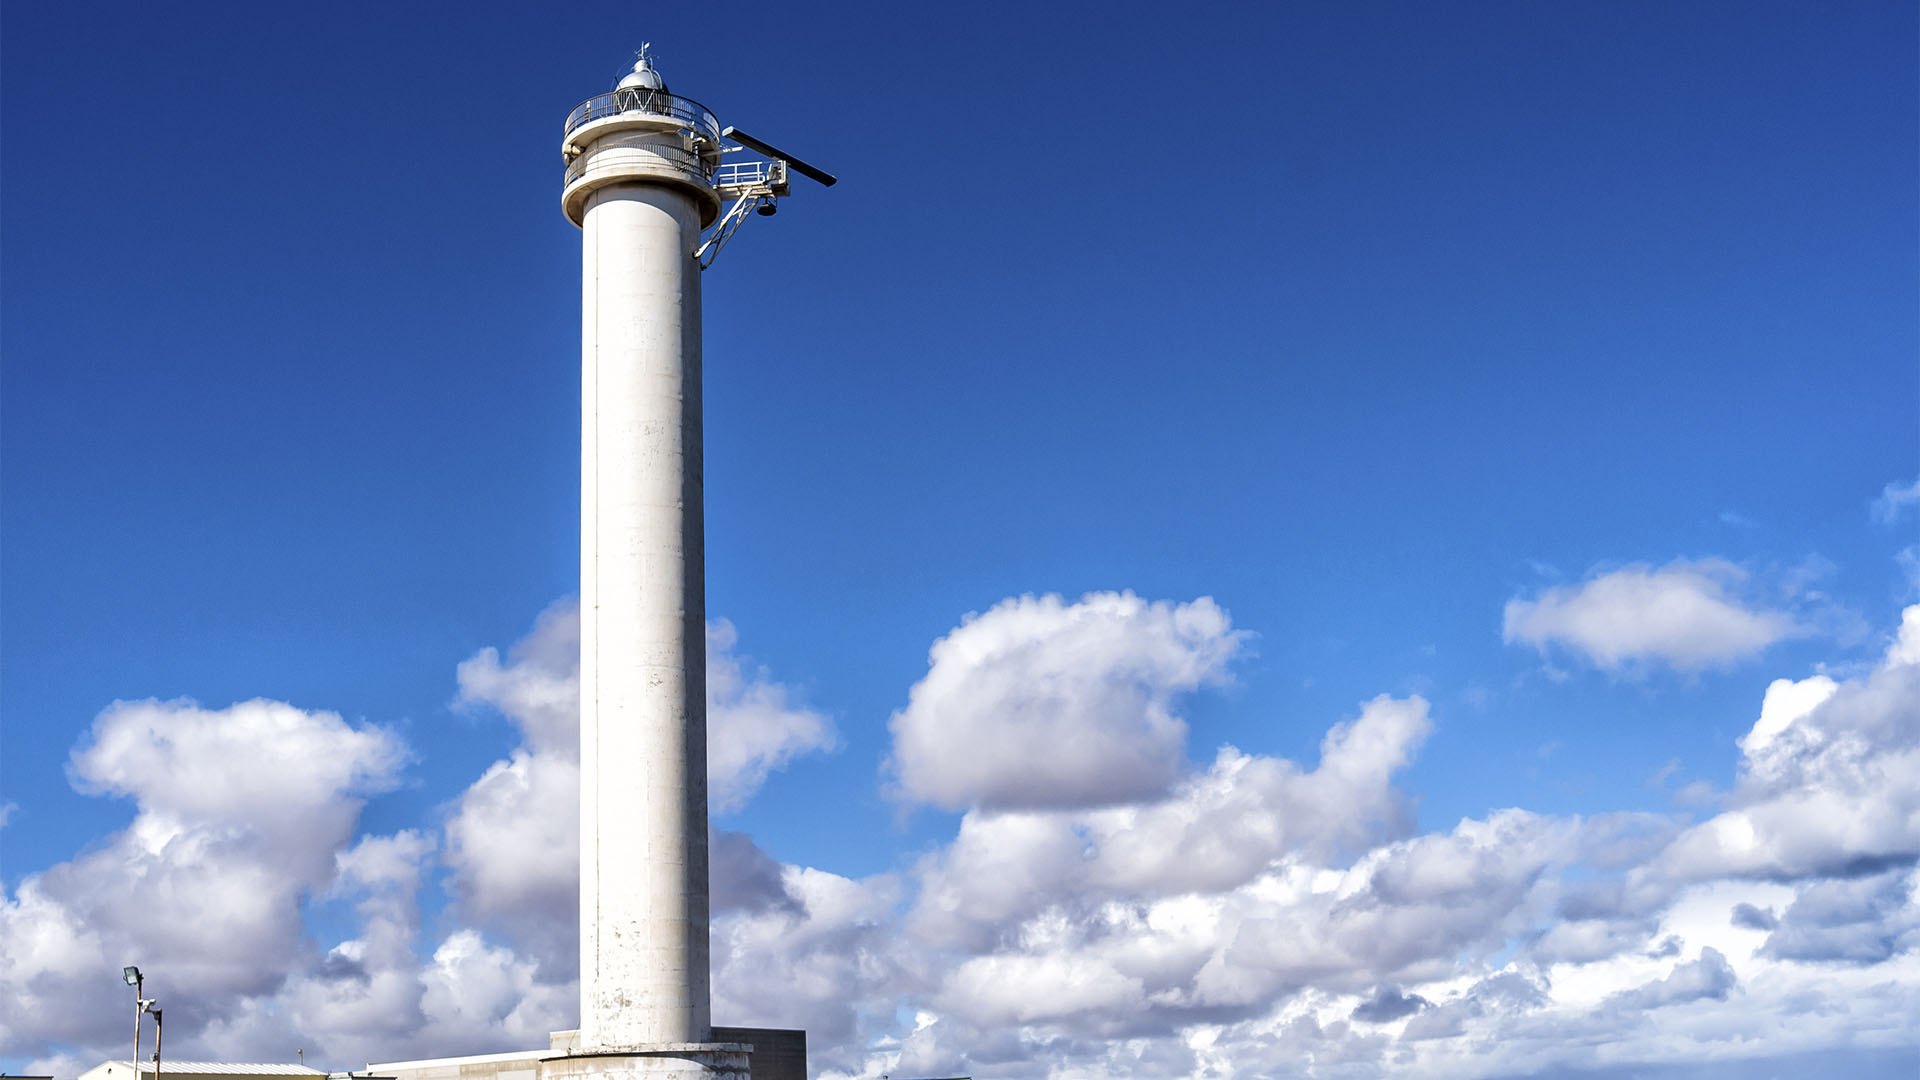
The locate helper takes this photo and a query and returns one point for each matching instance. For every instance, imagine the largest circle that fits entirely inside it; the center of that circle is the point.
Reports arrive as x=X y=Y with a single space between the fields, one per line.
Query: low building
x=203 y=1070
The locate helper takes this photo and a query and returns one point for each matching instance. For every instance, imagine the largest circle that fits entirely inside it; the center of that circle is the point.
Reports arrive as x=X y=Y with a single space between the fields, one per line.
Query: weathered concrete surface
x=643 y=798
x=664 y=1061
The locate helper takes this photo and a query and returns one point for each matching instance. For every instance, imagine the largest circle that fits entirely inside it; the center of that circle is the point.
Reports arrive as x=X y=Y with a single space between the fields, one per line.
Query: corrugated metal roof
x=248 y=1068
x=471 y=1059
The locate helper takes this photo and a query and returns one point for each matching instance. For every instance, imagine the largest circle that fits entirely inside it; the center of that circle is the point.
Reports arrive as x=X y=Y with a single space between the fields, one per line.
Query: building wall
x=524 y=1065
x=201 y=1070
x=778 y=1053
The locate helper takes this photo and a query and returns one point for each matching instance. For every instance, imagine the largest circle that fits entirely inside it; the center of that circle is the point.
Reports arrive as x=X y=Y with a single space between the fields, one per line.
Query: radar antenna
x=753 y=185
x=820 y=176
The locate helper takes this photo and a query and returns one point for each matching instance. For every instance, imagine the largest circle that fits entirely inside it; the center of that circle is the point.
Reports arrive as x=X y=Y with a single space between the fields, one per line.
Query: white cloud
x=1860 y=921
x=1894 y=500
x=1015 y=990
x=513 y=845
x=1786 y=701
x=828 y=959
x=366 y=989
x=240 y=812
x=1709 y=976
x=245 y=826
x=476 y=991
x=1906 y=643
x=752 y=726
x=1687 y=615
x=1827 y=779
x=1247 y=917
x=539 y=687
x=513 y=837
x=266 y=763
x=1043 y=703
x=1217 y=900
x=1216 y=924
x=1213 y=832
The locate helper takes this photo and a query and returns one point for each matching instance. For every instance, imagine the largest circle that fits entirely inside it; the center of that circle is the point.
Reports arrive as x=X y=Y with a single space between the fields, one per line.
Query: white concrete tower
x=640 y=184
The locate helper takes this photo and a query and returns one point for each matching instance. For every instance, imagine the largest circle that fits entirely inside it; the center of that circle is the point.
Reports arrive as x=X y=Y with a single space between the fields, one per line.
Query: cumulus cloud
x=1687 y=615
x=742 y=877
x=1826 y=782
x=753 y=725
x=1389 y=1004
x=538 y=687
x=1785 y=702
x=245 y=828
x=240 y=812
x=1754 y=918
x=1217 y=923
x=1245 y=916
x=1144 y=941
x=1236 y=920
x=821 y=953
x=370 y=997
x=513 y=845
x=364 y=990
x=1905 y=650
x=1042 y=703
x=1709 y=976
x=1861 y=921
x=1214 y=831
x=513 y=837
x=1224 y=825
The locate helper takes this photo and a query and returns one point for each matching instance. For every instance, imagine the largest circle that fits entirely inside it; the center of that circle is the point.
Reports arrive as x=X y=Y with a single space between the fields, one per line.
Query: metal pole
x=156 y=1043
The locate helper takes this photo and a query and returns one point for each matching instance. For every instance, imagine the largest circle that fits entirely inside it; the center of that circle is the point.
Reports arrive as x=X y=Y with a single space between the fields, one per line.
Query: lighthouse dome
x=643 y=76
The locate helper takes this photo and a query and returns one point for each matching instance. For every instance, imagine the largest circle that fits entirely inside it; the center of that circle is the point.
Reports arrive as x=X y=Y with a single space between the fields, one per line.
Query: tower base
x=736 y=1053
x=662 y=1061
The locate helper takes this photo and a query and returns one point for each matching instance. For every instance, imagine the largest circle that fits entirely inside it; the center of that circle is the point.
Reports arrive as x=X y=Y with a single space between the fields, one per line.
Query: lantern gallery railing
x=652 y=102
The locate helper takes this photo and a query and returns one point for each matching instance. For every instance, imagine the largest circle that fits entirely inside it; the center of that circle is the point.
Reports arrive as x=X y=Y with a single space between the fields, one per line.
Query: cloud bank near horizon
x=1237 y=914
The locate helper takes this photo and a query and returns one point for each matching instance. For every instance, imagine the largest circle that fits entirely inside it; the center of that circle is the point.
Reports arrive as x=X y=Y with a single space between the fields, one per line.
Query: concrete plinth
x=679 y=1061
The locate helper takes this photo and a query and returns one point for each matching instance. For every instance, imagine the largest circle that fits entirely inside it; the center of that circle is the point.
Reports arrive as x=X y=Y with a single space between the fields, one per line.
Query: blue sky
x=1549 y=369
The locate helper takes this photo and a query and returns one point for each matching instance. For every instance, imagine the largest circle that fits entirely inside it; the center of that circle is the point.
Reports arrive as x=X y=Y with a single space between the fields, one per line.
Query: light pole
x=140 y=1003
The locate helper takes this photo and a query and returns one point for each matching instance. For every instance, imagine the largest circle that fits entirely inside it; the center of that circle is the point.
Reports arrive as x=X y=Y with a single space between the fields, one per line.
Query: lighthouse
x=639 y=186
x=657 y=187
x=647 y=173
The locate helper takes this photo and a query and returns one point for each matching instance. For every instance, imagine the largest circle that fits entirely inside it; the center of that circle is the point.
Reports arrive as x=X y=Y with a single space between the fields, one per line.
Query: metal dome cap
x=643 y=76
